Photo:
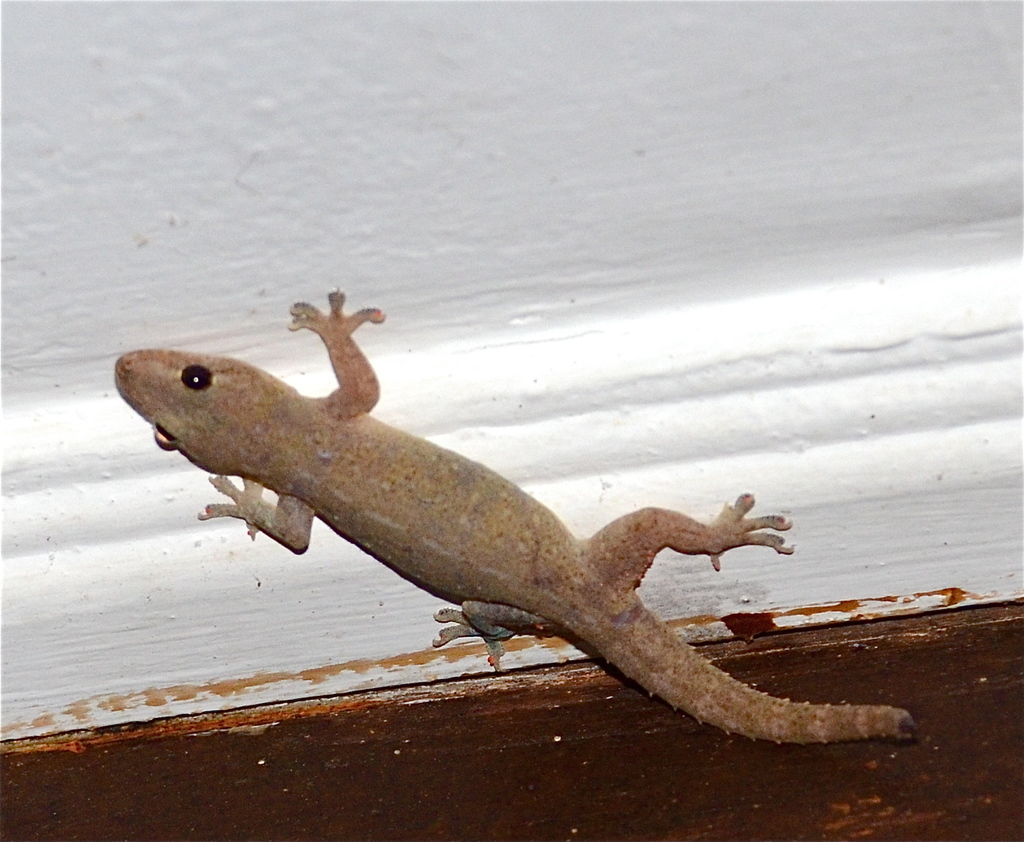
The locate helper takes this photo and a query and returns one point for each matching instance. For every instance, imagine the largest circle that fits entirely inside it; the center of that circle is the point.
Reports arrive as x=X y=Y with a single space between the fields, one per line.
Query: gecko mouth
x=164 y=439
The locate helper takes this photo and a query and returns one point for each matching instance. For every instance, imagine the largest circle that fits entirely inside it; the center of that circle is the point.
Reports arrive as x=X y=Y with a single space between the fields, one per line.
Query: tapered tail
x=641 y=645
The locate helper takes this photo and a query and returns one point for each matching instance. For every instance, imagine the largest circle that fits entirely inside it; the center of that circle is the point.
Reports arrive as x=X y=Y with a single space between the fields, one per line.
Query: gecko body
x=458 y=529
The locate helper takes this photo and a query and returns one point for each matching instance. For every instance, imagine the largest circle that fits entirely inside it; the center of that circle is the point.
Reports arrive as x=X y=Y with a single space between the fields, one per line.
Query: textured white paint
x=630 y=254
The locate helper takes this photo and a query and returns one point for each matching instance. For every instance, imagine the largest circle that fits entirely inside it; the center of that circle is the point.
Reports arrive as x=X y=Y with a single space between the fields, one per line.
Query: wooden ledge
x=570 y=753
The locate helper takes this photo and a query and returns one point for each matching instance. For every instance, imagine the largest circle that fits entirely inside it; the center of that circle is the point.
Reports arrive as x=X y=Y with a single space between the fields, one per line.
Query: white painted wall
x=630 y=254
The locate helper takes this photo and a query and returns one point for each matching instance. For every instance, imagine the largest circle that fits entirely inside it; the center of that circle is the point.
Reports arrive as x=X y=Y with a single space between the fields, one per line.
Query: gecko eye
x=196 y=376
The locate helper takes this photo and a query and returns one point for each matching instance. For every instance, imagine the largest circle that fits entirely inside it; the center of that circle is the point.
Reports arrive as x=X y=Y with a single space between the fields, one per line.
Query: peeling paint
x=428 y=665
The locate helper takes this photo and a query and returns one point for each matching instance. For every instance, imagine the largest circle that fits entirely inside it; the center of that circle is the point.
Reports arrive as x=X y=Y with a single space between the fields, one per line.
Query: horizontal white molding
x=837 y=432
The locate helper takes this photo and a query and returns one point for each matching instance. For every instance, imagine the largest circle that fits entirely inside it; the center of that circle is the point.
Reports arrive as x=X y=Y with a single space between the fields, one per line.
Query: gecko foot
x=462 y=627
x=248 y=503
x=493 y=622
x=732 y=528
x=305 y=315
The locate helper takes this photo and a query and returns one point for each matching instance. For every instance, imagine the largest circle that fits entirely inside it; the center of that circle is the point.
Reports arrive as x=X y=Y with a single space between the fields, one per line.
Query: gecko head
x=216 y=411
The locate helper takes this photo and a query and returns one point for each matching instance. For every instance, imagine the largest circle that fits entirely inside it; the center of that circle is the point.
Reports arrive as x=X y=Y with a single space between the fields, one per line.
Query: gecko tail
x=645 y=649
x=640 y=644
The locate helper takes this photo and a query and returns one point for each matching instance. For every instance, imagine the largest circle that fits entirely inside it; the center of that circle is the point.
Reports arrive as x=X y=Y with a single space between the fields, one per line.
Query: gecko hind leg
x=624 y=550
x=493 y=622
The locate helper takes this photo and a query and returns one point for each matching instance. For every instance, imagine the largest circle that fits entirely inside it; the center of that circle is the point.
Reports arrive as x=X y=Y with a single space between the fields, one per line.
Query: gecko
x=458 y=529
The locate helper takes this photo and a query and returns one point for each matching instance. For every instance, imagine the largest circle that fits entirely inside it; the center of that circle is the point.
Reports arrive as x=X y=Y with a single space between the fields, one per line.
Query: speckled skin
x=456 y=528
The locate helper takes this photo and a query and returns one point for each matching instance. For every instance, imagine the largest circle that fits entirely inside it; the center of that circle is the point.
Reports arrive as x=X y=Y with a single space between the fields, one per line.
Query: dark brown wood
x=570 y=753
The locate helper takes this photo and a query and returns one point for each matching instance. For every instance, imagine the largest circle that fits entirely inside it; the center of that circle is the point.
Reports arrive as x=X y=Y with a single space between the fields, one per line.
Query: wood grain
x=570 y=753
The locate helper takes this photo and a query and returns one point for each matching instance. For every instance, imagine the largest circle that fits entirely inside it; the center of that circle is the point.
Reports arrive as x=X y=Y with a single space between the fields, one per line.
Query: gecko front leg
x=358 y=390
x=288 y=523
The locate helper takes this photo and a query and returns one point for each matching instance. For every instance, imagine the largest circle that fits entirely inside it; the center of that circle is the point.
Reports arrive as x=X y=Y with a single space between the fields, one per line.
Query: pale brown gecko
x=457 y=529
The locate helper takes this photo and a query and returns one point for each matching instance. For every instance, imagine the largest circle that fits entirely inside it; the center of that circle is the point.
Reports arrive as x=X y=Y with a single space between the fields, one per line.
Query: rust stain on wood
x=748 y=626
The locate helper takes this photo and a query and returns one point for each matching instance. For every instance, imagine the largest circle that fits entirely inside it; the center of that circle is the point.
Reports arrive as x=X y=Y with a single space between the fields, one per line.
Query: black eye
x=196 y=376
